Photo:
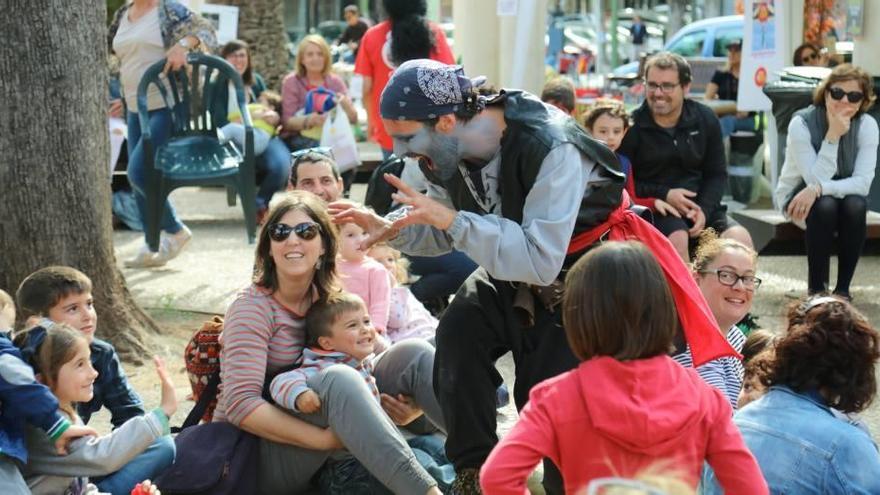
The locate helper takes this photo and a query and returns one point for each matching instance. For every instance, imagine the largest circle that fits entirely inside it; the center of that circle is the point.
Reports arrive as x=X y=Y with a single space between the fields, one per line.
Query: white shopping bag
x=337 y=134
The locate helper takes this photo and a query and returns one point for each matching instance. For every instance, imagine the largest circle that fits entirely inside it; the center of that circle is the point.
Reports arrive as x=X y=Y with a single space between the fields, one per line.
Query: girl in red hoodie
x=628 y=405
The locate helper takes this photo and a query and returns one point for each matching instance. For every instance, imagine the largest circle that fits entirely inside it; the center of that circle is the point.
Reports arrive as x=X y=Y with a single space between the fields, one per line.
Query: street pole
x=615 y=60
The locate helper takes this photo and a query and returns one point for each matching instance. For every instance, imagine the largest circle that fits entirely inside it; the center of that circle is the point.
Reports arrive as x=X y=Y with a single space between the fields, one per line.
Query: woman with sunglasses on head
x=264 y=334
x=826 y=360
x=724 y=270
x=829 y=166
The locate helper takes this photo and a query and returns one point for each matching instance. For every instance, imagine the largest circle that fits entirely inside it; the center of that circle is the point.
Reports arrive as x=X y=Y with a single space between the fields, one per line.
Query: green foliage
x=112 y=7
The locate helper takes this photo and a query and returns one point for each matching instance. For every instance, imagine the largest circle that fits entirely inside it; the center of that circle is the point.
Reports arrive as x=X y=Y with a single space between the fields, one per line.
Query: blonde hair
x=401 y=264
x=318 y=41
x=656 y=477
x=711 y=246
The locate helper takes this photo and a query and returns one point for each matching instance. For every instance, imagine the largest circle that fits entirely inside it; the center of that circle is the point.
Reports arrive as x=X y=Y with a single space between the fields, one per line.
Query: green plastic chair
x=194 y=155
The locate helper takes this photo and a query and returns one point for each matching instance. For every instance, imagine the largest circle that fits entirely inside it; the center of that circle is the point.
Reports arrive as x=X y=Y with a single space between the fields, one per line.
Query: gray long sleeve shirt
x=530 y=252
x=48 y=473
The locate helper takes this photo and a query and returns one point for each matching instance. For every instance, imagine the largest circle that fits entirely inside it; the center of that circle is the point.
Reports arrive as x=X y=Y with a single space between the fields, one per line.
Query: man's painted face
x=438 y=153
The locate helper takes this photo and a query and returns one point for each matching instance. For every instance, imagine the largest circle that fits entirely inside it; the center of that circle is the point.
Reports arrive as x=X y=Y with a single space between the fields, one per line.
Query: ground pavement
x=218 y=262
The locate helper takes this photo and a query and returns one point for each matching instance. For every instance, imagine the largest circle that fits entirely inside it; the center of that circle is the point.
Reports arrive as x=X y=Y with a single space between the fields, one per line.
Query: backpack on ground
x=202 y=359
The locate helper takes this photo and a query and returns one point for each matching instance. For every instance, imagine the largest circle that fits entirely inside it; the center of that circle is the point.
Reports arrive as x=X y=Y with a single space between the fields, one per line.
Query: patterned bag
x=202 y=358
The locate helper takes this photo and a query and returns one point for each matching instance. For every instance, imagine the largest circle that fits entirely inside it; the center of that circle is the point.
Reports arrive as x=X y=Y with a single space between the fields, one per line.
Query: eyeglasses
x=851 y=96
x=297 y=155
x=808 y=58
x=279 y=232
x=664 y=87
x=729 y=278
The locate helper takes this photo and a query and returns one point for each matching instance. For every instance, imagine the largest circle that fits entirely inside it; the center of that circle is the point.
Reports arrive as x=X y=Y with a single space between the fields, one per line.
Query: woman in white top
x=142 y=33
x=829 y=166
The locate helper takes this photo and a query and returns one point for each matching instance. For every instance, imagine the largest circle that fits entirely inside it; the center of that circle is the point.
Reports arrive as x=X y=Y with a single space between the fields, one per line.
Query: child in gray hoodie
x=59 y=355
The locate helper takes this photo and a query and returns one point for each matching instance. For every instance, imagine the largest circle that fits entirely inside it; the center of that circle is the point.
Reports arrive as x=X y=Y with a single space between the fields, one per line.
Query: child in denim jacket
x=24 y=401
x=64 y=295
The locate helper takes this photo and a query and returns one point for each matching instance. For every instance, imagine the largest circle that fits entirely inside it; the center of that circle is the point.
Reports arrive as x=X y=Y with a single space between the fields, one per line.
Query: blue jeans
x=441 y=275
x=149 y=464
x=274 y=162
x=160 y=131
x=430 y=451
x=730 y=123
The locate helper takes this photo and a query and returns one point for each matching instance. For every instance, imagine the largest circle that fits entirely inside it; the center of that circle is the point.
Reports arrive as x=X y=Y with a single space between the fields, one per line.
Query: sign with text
x=762 y=56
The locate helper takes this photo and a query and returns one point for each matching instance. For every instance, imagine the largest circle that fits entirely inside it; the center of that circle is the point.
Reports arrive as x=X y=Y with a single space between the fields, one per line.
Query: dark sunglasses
x=279 y=232
x=851 y=96
x=811 y=56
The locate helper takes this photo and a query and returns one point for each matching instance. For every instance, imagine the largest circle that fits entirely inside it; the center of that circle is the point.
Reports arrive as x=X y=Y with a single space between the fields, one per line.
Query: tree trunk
x=261 y=24
x=54 y=157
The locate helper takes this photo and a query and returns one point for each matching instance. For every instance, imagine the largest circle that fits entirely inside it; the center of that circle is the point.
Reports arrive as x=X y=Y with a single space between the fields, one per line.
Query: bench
x=769 y=225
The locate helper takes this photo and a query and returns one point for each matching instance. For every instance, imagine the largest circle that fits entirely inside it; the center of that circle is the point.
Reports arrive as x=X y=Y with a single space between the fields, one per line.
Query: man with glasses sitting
x=677 y=155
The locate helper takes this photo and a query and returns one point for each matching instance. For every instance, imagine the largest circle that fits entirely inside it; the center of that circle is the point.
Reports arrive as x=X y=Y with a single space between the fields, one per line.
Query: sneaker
x=172 y=244
x=144 y=259
x=467 y=482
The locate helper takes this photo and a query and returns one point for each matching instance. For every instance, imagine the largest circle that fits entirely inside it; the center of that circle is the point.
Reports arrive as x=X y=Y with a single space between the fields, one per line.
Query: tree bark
x=54 y=158
x=261 y=25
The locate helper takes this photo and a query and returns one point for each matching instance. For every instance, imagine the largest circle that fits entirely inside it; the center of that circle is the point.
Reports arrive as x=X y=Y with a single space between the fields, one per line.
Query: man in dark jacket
x=354 y=31
x=677 y=155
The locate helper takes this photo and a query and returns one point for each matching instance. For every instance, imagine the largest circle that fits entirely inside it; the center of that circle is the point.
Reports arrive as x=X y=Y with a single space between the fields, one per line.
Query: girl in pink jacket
x=628 y=406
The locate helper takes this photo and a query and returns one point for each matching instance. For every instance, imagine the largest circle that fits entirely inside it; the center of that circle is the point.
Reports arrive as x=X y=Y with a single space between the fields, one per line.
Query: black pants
x=828 y=216
x=478 y=327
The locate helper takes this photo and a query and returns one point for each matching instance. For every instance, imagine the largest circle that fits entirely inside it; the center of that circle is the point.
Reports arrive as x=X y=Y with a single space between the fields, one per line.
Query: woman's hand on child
x=72 y=433
x=169 y=396
x=401 y=409
x=308 y=402
x=666 y=209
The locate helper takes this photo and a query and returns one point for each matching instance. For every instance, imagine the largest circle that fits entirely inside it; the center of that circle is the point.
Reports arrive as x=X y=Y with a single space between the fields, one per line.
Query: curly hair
x=710 y=247
x=605 y=106
x=831 y=348
x=411 y=36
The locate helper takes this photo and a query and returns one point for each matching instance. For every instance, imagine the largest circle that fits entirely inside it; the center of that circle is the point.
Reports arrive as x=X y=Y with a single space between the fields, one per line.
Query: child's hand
x=145 y=487
x=664 y=208
x=169 y=396
x=72 y=433
x=308 y=402
x=271 y=117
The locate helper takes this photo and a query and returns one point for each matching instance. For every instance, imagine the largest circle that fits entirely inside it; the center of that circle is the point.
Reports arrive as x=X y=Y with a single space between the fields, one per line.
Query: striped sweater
x=287 y=386
x=725 y=374
x=260 y=338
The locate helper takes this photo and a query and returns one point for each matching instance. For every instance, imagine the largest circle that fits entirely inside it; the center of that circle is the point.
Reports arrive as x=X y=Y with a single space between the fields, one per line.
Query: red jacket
x=613 y=418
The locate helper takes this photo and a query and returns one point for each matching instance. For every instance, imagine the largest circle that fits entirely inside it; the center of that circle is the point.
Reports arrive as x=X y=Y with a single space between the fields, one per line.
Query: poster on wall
x=225 y=21
x=762 y=56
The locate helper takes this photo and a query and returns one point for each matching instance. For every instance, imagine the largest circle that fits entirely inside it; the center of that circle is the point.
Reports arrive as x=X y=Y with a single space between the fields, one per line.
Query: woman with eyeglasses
x=274 y=161
x=724 y=270
x=264 y=334
x=829 y=165
x=825 y=360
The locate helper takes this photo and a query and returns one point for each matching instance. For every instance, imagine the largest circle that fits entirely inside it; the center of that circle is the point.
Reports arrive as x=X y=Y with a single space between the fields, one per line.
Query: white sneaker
x=144 y=259
x=172 y=244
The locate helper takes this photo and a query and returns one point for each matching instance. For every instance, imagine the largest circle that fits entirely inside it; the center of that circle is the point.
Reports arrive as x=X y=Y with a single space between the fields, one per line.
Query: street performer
x=520 y=188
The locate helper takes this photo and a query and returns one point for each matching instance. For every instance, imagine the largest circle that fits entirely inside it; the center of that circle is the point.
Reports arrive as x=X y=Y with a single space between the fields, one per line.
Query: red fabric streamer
x=700 y=329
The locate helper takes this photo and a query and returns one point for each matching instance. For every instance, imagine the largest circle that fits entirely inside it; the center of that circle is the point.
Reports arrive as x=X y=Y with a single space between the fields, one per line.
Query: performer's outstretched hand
x=423 y=210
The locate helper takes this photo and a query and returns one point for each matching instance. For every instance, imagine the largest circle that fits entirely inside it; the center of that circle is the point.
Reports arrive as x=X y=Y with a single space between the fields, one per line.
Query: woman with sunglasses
x=809 y=55
x=724 y=270
x=826 y=360
x=264 y=334
x=829 y=166
x=725 y=86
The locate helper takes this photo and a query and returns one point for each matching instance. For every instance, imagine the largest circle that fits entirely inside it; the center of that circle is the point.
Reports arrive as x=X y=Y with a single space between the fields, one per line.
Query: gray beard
x=444 y=153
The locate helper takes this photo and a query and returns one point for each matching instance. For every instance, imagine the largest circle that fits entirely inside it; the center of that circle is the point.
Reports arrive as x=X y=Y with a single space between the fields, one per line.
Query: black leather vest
x=532 y=131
